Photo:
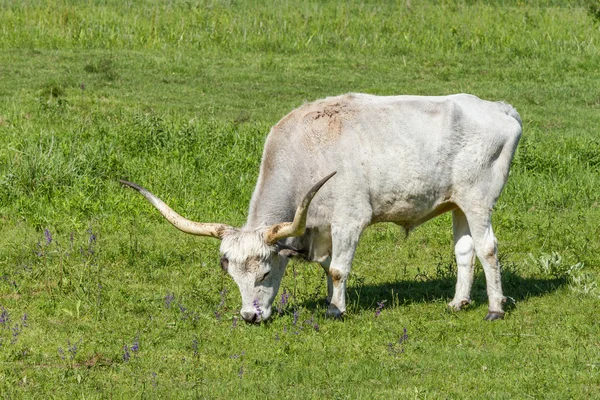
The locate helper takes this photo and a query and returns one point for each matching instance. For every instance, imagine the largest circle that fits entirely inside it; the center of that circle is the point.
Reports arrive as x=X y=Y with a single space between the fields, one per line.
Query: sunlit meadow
x=100 y=297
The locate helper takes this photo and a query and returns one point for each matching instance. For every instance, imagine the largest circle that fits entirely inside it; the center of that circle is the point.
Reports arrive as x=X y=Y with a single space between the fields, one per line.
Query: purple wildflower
x=39 y=251
x=61 y=353
x=258 y=310
x=234 y=322
x=311 y=322
x=92 y=238
x=4 y=317
x=404 y=337
x=48 y=236
x=380 y=306
x=16 y=330
x=296 y=316
x=135 y=346
x=72 y=349
x=126 y=355
x=24 y=319
x=283 y=301
x=398 y=348
x=154 y=382
x=168 y=299
x=223 y=294
x=241 y=373
x=195 y=346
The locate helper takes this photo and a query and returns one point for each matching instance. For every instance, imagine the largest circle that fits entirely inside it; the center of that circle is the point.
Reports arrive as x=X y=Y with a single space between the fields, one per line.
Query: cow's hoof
x=334 y=312
x=457 y=305
x=494 y=315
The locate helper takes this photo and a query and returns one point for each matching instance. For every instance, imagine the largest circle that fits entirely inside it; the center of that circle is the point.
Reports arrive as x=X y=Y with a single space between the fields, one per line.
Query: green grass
x=179 y=96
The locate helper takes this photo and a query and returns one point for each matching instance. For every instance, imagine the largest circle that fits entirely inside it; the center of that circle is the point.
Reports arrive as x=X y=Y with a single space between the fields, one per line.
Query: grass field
x=100 y=297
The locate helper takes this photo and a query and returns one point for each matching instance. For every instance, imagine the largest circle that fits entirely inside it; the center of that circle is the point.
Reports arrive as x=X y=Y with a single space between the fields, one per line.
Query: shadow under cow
x=364 y=297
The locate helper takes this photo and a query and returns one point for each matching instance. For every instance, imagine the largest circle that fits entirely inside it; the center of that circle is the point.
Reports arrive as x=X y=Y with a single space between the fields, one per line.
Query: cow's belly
x=410 y=209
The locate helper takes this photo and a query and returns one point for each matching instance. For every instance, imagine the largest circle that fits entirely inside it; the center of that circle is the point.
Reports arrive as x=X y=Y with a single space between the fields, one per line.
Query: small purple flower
x=72 y=349
x=258 y=310
x=4 y=317
x=135 y=346
x=195 y=346
x=61 y=353
x=236 y=356
x=185 y=313
x=234 y=322
x=16 y=330
x=296 y=316
x=39 y=251
x=223 y=294
x=24 y=319
x=168 y=299
x=380 y=306
x=126 y=355
x=404 y=337
x=154 y=382
x=398 y=348
x=283 y=301
x=241 y=373
x=91 y=241
x=48 y=236
x=92 y=238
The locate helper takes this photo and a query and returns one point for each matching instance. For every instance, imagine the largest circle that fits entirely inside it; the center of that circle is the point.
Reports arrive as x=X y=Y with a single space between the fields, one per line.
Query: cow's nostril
x=250 y=316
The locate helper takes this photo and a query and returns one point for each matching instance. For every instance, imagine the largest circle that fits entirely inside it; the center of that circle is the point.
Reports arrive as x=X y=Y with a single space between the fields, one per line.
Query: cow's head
x=255 y=259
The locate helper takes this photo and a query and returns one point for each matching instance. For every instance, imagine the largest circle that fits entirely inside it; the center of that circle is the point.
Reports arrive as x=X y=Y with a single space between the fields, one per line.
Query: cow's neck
x=269 y=206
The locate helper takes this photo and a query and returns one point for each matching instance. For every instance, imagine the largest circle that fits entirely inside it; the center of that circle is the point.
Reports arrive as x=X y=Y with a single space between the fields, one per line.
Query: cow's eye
x=265 y=275
x=224 y=263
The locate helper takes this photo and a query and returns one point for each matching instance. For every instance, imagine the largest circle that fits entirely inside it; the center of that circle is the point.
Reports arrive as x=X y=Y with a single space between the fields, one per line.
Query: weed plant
x=100 y=297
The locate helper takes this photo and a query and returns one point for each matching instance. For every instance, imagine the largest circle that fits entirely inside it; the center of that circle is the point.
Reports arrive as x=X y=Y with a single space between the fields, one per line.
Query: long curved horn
x=185 y=225
x=298 y=226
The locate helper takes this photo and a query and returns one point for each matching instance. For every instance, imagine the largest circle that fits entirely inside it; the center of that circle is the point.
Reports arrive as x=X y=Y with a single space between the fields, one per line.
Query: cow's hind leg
x=486 y=247
x=464 y=250
x=344 y=241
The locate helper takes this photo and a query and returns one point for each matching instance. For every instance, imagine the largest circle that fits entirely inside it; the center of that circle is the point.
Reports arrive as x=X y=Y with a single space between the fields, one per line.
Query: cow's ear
x=290 y=252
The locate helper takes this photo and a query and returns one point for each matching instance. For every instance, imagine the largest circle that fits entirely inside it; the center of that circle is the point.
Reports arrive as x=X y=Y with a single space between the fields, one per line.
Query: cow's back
x=399 y=155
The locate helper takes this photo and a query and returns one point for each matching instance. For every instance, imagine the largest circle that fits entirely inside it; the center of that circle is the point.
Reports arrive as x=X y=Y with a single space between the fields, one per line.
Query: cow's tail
x=510 y=111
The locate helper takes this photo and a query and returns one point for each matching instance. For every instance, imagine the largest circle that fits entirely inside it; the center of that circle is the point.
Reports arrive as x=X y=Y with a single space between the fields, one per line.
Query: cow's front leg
x=344 y=242
x=326 y=264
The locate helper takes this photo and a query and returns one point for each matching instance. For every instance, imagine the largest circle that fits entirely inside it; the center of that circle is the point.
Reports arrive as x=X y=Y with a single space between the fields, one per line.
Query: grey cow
x=401 y=159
